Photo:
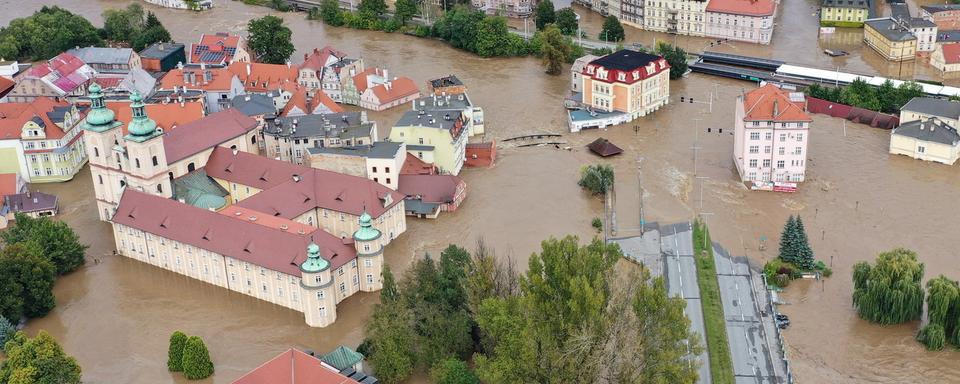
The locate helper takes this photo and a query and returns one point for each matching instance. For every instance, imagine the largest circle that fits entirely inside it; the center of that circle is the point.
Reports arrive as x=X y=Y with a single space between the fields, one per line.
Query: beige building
x=684 y=17
x=289 y=138
x=844 y=13
x=380 y=161
x=923 y=108
x=946 y=57
x=890 y=39
x=929 y=140
x=620 y=87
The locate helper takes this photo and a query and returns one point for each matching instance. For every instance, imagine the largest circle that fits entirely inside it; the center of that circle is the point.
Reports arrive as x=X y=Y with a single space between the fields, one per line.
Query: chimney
x=246 y=98
x=296 y=178
x=288 y=64
x=776 y=108
x=385 y=74
x=160 y=47
x=305 y=57
x=235 y=151
x=207 y=76
x=249 y=69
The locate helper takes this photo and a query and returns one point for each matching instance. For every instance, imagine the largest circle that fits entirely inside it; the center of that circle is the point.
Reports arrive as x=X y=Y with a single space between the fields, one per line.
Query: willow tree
x=943 y=300
x=890 y=291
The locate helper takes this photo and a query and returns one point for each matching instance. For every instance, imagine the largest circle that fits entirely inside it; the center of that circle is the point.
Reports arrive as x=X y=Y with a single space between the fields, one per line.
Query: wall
x=909 y=146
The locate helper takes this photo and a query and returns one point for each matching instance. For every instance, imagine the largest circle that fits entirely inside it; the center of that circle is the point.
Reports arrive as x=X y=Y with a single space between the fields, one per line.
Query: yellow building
x=928 y=140
x=844 y=13
x=890 y=39
x=438 y=137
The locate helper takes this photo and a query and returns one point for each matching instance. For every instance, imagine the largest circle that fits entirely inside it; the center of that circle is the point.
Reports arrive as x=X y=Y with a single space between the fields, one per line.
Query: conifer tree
x=196 y=359
x=788 y=249
x=804 y=253
x=175 y=352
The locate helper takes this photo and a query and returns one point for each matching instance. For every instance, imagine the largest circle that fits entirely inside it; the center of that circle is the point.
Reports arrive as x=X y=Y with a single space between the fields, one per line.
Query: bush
x=175 y=352
x=596 y=178
x=597 y=224
x=196 y=359
x=7 y=329
x=453 y=371
x=932 y=337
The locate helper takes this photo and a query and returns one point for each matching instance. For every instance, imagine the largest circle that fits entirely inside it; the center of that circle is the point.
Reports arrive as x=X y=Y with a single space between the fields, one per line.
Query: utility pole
x=701 y=178
x=640 y=186
x=696 y=143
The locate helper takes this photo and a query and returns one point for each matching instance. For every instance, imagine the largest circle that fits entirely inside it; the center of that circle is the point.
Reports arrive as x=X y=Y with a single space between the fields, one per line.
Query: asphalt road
x=676 y=242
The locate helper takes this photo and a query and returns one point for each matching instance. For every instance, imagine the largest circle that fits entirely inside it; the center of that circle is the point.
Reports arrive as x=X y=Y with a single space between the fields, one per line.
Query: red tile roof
x=217 y=43
x=430 y=188
x=360 y=79
x=742 y=7
x=14 y=115
x=287 y=197
x=262 y=77
x=67 y=68
x=951 y=53
x=413 y=165
x=8 y=184
x=399 y=88
x=770 y=103
x=108 y=82
x=264 y=219
x=167 y=116
x=222 y=79
x=298 y=99
x=208 y=132
x=317 y=59
x=294 y=367
x=6 y=85
x=244 y=240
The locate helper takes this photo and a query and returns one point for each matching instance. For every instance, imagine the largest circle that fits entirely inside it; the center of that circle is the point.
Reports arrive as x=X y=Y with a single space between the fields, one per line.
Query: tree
x=372 y=8
x=196 y=359
x=943 y=313
x=596 y=178
x=788 y=241
x=404 y=10
x=270 y=39
x=175 y=353
x=860 y=94
x=889 y=292
x=676 y=57
x=554 y=50
x=122 y=24
x=545 y=14
x=45 y=34
x=55 y=240
x=391 y=342
x=803 y=251
x=932 y=337
x=153 y=32
x=7 y=329
x=566 y=20
x=453 y=371
x=612 y=30
x=38 y=360
x=492 y=37
x=330 y=13
x=26 y=280
x=389 y=292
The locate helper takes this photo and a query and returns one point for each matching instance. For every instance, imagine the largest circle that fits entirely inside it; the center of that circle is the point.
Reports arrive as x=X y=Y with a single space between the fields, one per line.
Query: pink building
x=743 y=20
x=770 y=142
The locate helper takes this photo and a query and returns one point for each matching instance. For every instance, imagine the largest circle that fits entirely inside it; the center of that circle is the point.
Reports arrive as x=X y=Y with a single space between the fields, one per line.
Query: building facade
x=380 y=161
x=928 y=139
x=438 y=137
x=684 y=17
x=193 y=5
x=844 y=13
x=771 y=133
x=891 y=39
x=162 y=57
x=620 y=87
x=946 y=58
x=289 y=138
x=742 y=20
x=473 y=114
x=64 y=76
x=945 y=16
x=42 y=140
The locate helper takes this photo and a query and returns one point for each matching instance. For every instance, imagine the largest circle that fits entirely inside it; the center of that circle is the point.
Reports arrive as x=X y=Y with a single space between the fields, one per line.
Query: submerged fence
x=855 y=114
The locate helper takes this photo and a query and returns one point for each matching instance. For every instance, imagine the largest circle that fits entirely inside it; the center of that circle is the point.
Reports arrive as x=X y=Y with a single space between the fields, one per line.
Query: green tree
x=566 y=20
x=889 y=292
x=26 y=280
x=788 y=241
x=123 y=24
x=153 y=32
x=196 y=359
x=492 y=37
x=860 y=94
x=55 y=240
x=45 y=34
x=404 y=10
x=270 y=40
x=545 y=14
x=39 y=360
x=453 y=371
x=389 y=292
x=943 y=309
x=391 y=341
x=932 y=337
x=554 y=50
x=804 y=253
x=175 y=352
x=612 y=30
x=433 y=295
x=7 y=329
x=459 y=27
x=597 y=178
x=676 y=57
x=330 y=13
x=372 y=8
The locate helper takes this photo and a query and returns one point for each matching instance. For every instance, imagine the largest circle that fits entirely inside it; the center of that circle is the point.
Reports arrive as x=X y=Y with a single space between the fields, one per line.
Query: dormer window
x=636 y=75
x=621 y=76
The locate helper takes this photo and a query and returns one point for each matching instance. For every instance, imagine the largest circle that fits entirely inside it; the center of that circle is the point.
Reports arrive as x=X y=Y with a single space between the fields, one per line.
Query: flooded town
x=689 y=147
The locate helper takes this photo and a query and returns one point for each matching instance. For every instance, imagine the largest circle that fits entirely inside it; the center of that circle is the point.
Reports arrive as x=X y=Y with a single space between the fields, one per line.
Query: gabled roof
x=320 y=58
x=430 y=188
x=31 y=202
x=342 y=358
x=103 y=55
x=65 y=71
x=167 y=116
x=604 y=147
x=6 y=85
x=208 y=132
x=377 y=150
x=218 y=48
x=299 y=100
x=413 y=165
x=261 y=245
x=161 y=50
x=262 y=77
x=252 y=104
x=951 y=53
x=293 y=367
x=45 y=111
x=625 y=60
x=222 y=79
x=395 y=89
x=931 y=106
x=362 y=80
x=770 y=103
x=930 y=130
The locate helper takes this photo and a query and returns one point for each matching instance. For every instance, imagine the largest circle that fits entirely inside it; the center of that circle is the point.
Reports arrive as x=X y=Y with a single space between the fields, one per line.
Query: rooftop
x=931 y=130
x=31 y=202
x=890 y=29
x=342 y=125
x=941 y=8
x=931 y=106
x=294 y=367
x=252 y=104
x=438 y=189
x=395 y=89
x=209 y=79
x=447 y=119
x=951 y=53
x=262 y=77
x=342 y=358
x=625 y=60
x=320 y=58
x=377 y=150
x=217 y=48
x=434 y=102
x=44 y=111
x=301 y=104
x=770 y=103
x=199 y=190
x=208 y=132
x=103 y=55
x=167 y=115
x=160 y=50
x=65 y=71
x=746 y=7
x=446 y=81
x=9 y=184
x=604 y=147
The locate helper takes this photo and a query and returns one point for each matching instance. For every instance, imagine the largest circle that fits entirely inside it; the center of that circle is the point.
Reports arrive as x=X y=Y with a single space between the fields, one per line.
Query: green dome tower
x=141 y=127
x=100 y=118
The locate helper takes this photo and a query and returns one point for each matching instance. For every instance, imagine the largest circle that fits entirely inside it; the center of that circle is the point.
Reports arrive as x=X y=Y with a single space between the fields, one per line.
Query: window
x=797 y=151
x=754 y=149
x=387 y=170
x=159 y=188
x=374 y=169
x=388 y=180
x=921 y=149
x=264 y=287
x=369 y=279
x=320 y=294
x=96 y=152
x=799 y=137
x=781 y=164
x=356 y=280
x=233 y=276
x=367 y=263
x=376 y=180
x=341 y=216
x=280 y=291
x=323 y=311
x=191 y=167
x=766 y=163
x=768 y=136
x=783 y=137
x=100 y=178
x=766 y=149
x=781 y=150
x=263 y=272
x=753 y=163
x=155 y=162
x=340 y=271
x=249 y=283
x=319 y=279
x=754 y=135
x=343 y=287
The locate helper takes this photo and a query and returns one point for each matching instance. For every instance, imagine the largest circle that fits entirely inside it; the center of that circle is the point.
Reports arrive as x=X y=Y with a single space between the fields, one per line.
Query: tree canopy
x=596 y=178
x=943 y=314
x=554 y=50
x=45 y=34
x=54 y=239
x=544 y=14
x=566 y=20
x=453 y=371
x=612 y=30
x=794 y=245
x=39 y=360
x=473 y=31
x=132 y=26
x=26 y=280
x=675 y=56
x=886 y=98
x=175 y=351
x=270 y=40
x=196 y=359
x=404 y=10
x=889 y=292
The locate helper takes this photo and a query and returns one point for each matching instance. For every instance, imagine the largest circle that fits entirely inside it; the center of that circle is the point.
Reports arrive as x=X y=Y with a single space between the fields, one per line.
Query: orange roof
x=262 y=77
x=167 y=116
x=264 y=219
x=318 y=58
x=8 y=184
x=6 y=85
x=772 y=103
x=360 y=79
x=299 y=100
x=14 y=115
x=214 y=49
x=412 y=165
x=221 y=81
x=399 y=88
x=951 y=53
x=294 y=367
x=742 y=7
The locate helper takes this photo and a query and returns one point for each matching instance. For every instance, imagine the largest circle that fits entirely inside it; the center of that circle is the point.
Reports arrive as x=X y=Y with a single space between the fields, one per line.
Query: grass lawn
x=721 y=365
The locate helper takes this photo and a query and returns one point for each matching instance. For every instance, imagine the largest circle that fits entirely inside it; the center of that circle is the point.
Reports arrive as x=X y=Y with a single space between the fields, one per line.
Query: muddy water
x=115 y=316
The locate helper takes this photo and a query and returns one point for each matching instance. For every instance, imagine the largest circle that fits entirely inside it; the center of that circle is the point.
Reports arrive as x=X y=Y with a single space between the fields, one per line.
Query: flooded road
x=116 y=316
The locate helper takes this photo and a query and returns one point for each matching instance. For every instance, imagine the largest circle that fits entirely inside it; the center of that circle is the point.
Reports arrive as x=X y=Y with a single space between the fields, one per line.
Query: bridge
x=743 y=61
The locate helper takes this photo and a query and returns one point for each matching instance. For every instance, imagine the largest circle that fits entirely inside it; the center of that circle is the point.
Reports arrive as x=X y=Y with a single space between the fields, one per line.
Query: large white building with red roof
x=219 y=84
x=771 y=131
x=742 y=20
x=199 y=200
x=41 y=140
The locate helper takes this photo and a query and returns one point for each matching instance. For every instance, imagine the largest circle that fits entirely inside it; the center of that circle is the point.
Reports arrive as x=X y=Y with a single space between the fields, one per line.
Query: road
x=676 y=244
x=586 y=43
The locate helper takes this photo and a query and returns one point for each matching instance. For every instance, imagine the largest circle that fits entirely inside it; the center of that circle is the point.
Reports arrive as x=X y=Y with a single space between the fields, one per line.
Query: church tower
x=319 y=306
x=101 y=134
x=146 y=160
x=369 y=254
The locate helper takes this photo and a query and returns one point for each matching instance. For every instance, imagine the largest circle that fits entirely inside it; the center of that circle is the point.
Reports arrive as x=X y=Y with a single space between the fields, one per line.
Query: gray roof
x=139 y=80
x=846 y=3
x=418 y=207
x=31 y=202
x=162 y=95
x=102 y=55
x=378 y=150
x=932 y=130
x=160 y=50
x=899 y=9
x=948 y=36
x=919 y=22
x=890 y=29
x=931 y=106
x=254 y=104
x=446 y=81
x=941 y=8
x=437 y=118
x=433 y=102
x=58 y=112
x=415 y=147
x=344 y=125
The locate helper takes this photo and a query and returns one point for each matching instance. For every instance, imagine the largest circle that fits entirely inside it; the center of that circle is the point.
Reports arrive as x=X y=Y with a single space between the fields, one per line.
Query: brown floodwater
x=115 y=316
